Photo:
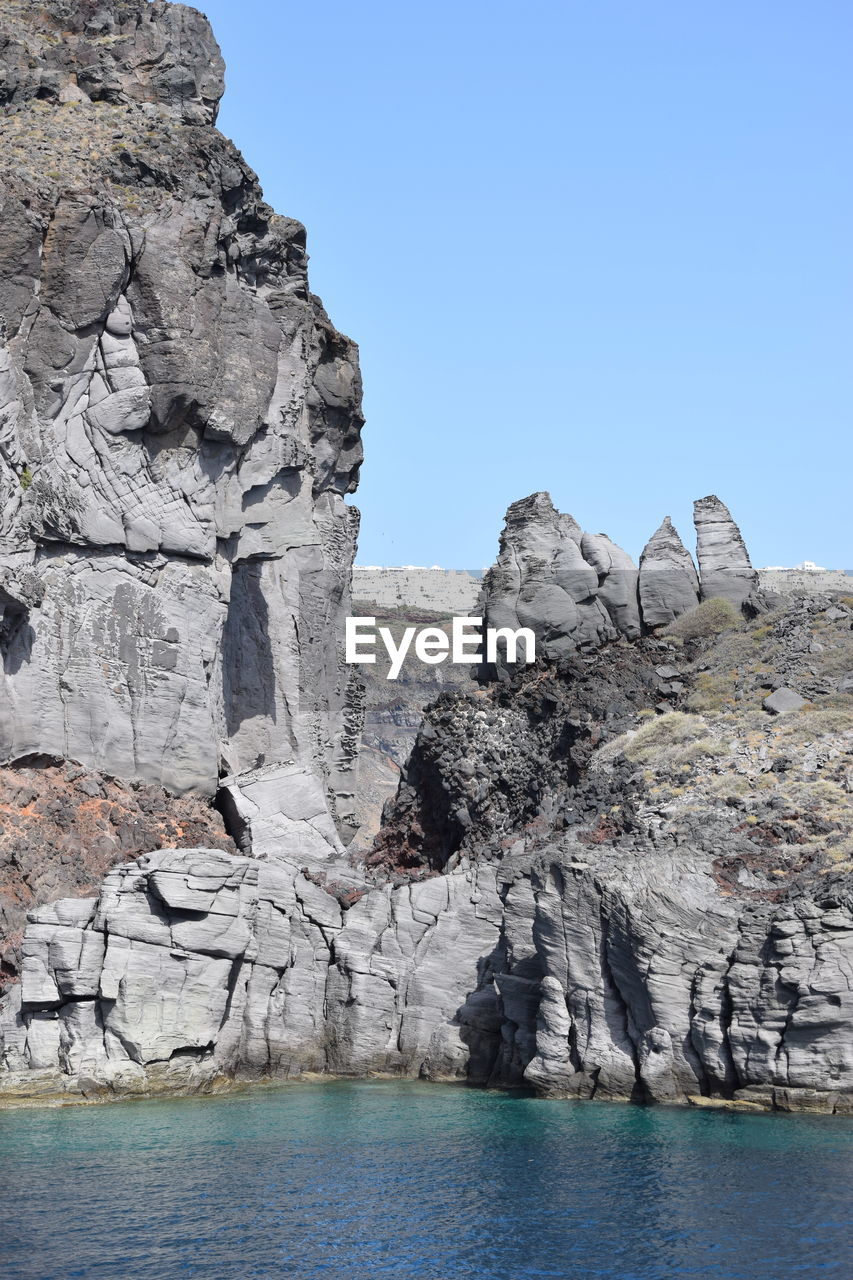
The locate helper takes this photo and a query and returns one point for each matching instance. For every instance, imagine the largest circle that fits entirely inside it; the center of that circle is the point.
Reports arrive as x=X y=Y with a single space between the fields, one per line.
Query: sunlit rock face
x=725 y=569
x=576 y=590
x=179 y=426
x=668 y=583
x=179 y=423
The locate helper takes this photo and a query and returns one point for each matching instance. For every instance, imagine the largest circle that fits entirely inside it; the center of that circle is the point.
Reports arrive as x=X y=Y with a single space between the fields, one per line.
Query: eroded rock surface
x=668 y=582
x=191 y=965
x=541 y=581
x=179 y=423
x=124 y=52
x=725 y=571
x=577 y=590
x=612 y=874
x=572 y=892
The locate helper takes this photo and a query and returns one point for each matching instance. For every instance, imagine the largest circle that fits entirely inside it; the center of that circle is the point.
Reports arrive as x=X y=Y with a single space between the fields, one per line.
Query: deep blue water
x=358 y=1181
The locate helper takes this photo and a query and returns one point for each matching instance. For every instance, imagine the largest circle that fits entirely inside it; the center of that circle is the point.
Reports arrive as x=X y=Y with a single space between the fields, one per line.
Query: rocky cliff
x=619 y=873
x=179 y=426
x=577 y=890
x=623 y=872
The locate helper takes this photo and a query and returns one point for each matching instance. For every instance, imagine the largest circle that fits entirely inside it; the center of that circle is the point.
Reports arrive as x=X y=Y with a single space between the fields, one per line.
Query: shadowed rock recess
x=623 y=872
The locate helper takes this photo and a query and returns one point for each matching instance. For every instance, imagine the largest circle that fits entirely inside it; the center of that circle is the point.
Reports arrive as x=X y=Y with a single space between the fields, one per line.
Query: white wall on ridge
x=447 y=591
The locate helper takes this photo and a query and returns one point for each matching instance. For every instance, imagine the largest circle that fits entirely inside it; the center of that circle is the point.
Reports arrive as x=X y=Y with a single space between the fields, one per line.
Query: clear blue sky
x=598 y=247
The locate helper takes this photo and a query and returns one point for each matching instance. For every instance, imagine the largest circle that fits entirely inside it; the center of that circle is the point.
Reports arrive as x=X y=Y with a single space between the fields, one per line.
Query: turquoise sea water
x=363 y=1180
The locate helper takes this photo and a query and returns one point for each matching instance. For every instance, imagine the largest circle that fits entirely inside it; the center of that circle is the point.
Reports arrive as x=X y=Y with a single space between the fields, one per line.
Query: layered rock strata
x=193 y=965
x=179 y=424
x=571 y=893
x=724 y=566
x=614 y=874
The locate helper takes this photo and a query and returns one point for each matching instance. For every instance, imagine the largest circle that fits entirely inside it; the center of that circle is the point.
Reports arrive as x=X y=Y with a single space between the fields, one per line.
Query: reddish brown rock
x=62 y=827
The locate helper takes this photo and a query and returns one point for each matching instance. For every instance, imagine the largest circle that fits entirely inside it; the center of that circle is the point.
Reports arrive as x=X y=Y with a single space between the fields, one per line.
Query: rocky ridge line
x=580 y=590
x=613 y=875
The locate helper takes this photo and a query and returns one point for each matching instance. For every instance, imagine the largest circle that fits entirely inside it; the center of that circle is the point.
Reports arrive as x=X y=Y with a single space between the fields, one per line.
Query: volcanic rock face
x=179 y=423
x=544 y=910
x=577 y=590
x=123 y=52
x=656 y=987
x=669 y=584
x=653 y=947
x=724 y=568
x=613 y=874
x=194 y=964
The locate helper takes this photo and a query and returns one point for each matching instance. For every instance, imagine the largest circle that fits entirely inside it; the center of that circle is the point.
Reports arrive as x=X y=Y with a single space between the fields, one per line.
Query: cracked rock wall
x=179 y=423
x=179 y=426
x=194 y=964
x=580 y=974
x=644 y=983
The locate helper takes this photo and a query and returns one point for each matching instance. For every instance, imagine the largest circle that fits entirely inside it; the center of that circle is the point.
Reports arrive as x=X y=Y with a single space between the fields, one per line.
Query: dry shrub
x=673 y=743
x=713 y=692
x=833 y=715
x=708 y=619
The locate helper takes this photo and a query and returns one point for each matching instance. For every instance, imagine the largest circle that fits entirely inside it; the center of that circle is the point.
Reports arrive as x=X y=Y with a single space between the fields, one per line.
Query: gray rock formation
x=122 y=53
x=543 y=911
x=582 y=972
x=394 y=709
x=725 y=571
x=192 y=964
x=570 y=891
x=668 y=584
x=655 y=987
x=179 y=423
x=542 y=581
x=577 y=590
x=617 y=582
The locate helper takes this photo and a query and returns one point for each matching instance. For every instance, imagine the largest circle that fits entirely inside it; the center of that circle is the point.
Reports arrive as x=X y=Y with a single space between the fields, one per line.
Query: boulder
x=783 y=700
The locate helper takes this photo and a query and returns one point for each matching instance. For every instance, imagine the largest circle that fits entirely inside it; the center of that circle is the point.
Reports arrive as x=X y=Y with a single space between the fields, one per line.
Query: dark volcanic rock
x=669 y=584
x=496 y=764
x=123 y=52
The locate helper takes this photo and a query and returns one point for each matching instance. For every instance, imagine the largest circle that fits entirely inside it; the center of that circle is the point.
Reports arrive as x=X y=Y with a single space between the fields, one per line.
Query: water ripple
x=365 y=1180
